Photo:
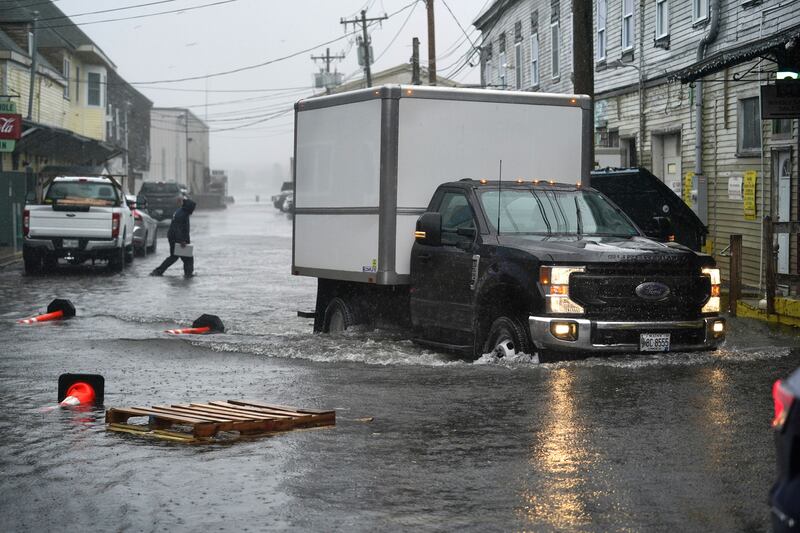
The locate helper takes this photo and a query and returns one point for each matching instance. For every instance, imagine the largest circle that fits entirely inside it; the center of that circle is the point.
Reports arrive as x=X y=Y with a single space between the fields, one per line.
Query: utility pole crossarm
x=363 y=20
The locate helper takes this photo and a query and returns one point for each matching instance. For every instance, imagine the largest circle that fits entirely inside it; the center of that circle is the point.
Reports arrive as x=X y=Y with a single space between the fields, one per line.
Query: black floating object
x=64 y=306
x=96 y=381
x=210 y=321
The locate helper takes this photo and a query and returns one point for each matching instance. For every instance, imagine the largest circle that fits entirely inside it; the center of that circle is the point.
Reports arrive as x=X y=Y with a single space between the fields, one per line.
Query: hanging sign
x=749 y=191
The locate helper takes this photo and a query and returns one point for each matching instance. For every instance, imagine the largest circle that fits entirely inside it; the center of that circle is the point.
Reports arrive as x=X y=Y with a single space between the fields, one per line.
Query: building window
x=534 y=21
x=662 y=19
x=602 y=6
x=501 y=59
x=535 y=60
x=93 y=89
x=627 y=24
x=749 y=127
x=782 y=128
x=555 y=45
x=517 y=32
x=518 y=65
x=66 y=71
x=77 y=84
x=699 y=10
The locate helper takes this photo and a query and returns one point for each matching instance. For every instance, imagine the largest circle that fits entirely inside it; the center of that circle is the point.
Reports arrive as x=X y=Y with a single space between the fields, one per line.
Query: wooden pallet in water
x=195 y=422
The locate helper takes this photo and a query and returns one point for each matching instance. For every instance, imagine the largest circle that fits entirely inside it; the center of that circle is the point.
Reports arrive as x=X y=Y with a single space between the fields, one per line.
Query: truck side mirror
x=141 y=201
x=662 y=228
x=429 y=229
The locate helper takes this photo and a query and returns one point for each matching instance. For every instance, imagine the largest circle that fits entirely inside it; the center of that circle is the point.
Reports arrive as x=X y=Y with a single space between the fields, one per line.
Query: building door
x=783 y=173
x=671 y=174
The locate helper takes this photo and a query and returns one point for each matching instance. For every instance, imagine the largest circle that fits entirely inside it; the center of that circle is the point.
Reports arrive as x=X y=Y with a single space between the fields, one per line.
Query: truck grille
x=608 y=296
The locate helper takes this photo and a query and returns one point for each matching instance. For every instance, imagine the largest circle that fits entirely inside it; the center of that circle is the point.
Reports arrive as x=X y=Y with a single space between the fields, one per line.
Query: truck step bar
x=462 y=349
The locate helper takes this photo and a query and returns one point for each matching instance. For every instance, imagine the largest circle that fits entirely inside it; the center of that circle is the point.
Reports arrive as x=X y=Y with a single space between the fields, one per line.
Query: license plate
x=654 y=342
x=70 y=243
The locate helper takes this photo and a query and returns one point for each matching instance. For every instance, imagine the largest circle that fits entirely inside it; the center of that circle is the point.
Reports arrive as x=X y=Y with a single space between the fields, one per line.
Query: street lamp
x=621 y=64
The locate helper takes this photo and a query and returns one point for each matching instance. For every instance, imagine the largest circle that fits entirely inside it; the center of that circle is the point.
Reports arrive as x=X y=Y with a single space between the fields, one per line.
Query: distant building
x=657 y=64
x=179 y=145
x=401 y=74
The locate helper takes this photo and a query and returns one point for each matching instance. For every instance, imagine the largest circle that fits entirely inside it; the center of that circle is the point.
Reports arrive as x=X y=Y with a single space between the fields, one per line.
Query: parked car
x=145 y=230
x=288 y=203
x=163 y=198
x=278 y=199
x=785 y=494
x=81 y=218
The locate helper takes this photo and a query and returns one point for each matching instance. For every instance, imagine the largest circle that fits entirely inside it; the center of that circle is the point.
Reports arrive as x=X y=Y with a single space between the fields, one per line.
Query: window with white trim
x=749 y=130
x=699 y=10
x=627 y=24
x=662 y=18
x=518 y=65
x=602 y=9
x=501 y=60
x=555 y=34
x=94 y=91
x=66 y=71
x=535 y=60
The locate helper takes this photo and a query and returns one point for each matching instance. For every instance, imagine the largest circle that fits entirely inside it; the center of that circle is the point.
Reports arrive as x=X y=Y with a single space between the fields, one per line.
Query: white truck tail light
x=26 y=222
x=115 y=219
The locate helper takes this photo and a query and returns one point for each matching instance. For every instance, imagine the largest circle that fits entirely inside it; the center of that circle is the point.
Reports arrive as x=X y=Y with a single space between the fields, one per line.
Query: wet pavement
x=636 y=443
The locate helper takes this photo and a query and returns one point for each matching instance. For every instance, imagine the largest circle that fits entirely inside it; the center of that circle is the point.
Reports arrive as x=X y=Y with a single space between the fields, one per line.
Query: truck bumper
x=86 y=246
x=596 y=336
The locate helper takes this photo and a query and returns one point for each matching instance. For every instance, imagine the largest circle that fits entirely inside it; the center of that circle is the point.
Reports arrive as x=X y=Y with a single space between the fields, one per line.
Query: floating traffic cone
x=204 y=324
x=80 y=389
x=57 y=310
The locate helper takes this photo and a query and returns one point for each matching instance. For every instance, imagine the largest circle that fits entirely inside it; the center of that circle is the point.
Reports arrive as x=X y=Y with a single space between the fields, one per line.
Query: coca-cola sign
x=10 y=126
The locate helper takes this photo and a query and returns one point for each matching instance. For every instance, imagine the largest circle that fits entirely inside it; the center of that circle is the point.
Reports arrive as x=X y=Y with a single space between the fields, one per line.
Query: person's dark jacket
x=179 y=228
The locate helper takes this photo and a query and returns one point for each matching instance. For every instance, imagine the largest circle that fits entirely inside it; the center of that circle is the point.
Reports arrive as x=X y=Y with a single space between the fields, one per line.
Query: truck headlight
x=555 y=283
x=713 y=303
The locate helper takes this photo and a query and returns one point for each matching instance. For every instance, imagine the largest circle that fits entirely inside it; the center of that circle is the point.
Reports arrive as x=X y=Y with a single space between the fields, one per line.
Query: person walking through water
x=178 y=234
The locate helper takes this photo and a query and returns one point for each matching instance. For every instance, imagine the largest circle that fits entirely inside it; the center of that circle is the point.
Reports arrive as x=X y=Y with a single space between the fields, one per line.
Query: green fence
x=12 y=202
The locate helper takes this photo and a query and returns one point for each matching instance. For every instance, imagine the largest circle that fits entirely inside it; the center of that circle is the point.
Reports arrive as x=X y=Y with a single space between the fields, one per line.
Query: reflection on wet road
x=653 y=443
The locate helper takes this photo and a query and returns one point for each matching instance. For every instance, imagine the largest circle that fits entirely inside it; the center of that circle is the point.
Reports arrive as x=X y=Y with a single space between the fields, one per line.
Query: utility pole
x=415 y=62
x=364 y=41
x=327 y=58
x=33 y=46
x=431 y=44
x=583 y=67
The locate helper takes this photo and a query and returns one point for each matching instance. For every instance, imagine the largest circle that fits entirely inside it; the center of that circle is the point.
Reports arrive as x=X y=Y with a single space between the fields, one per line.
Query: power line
x=104 y=10
x=388 y=46
x=132 y=17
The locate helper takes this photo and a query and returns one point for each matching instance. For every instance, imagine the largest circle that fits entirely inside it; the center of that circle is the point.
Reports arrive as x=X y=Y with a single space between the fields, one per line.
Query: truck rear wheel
x=338 y=316
x=116 y=261
x=32 y=261
x=507 y=336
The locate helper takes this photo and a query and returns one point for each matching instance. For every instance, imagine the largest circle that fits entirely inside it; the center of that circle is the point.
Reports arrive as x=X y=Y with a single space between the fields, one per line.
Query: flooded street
x=423 y=440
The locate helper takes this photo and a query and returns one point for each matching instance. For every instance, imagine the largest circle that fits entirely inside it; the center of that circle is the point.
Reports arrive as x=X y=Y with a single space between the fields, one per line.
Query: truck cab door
x=441 y=276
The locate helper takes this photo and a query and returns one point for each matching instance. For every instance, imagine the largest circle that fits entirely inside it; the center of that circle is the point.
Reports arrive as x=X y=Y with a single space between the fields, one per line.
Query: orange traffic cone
x=80 y=389
x=56 y=310
x=204 y=324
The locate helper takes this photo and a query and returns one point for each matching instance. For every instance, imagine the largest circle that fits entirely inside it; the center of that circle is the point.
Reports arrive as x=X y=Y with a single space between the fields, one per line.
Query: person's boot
x=156 y=272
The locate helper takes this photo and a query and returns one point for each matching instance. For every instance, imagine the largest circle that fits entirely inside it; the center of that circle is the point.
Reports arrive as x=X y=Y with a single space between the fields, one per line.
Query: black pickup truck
x=539 y=267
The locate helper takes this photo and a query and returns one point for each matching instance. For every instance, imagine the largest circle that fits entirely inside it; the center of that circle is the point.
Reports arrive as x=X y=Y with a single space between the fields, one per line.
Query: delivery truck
x=466 y=215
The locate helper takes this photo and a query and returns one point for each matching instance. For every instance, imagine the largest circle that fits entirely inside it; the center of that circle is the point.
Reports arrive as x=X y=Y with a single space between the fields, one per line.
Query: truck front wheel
x=338 y=316
x=507 y=336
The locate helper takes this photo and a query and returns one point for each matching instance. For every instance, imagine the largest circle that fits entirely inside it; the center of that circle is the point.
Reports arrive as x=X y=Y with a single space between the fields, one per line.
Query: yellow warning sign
x=749 y=193
x=688 y=182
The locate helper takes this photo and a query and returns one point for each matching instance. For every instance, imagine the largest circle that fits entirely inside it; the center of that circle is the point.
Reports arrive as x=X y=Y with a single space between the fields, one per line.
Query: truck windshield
x=554 y=212
x=82 y=193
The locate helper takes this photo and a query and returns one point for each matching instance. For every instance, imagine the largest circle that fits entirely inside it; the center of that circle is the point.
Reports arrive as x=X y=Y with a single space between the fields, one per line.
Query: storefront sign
x=735 y=188
x=7 y=146
x=8 y=107
x=10 y=126
x=749 y=190
x=781 y=100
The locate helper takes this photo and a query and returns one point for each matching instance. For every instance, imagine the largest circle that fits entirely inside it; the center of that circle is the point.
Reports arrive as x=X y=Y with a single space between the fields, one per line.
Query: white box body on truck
x=367 y=163
x=403 y=216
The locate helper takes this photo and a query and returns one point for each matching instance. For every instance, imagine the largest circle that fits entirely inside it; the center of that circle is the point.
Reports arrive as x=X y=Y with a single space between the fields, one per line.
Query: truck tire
x=129 y=254
x=338 y=316
x=507 y=336
x=49 y=263
x=116 y=262
x=32 y=261
x=152 y=249
x=141 y=251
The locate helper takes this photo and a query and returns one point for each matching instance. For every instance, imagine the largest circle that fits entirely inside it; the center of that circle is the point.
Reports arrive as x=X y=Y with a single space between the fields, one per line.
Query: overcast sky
x=240 y=33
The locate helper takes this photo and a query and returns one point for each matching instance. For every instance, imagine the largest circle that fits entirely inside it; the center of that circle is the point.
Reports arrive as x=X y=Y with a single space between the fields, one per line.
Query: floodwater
x=423 y=441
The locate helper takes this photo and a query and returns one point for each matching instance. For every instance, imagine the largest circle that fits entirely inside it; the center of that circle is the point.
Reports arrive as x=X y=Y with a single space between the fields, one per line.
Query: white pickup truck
x=80 y=218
